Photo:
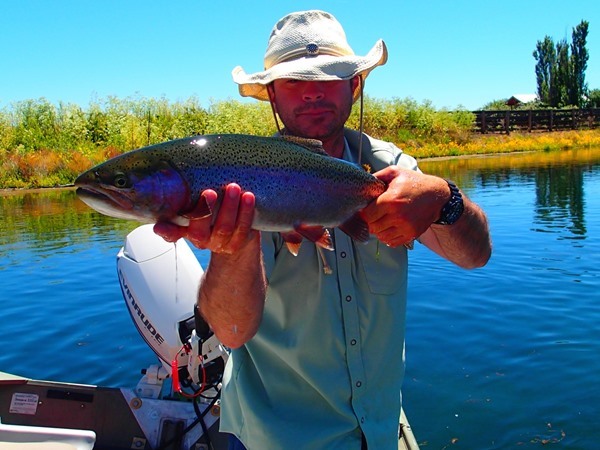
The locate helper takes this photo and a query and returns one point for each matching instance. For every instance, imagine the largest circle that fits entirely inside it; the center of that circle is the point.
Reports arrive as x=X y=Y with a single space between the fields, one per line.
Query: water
x=497 y=358
x=63 y=315
x=507 y=356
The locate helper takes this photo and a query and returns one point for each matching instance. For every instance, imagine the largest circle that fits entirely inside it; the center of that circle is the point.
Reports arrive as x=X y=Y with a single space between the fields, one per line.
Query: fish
x=300 y=191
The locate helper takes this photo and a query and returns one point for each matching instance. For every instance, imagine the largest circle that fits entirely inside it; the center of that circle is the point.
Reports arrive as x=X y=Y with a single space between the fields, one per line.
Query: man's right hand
x=227 y=232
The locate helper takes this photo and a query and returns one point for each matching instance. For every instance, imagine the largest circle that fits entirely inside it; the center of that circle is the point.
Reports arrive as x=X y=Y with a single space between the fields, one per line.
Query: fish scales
x=294 y=185
x=274 y=168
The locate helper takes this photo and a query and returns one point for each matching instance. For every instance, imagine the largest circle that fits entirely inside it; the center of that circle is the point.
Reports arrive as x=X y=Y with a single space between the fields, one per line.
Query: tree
x=593 y=98
x=546 y=57
x=560 y=74
x=579 y=58
x=562 y=79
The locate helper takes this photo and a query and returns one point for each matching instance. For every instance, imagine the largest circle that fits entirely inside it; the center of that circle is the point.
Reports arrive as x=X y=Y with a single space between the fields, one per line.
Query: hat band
x=311 y=50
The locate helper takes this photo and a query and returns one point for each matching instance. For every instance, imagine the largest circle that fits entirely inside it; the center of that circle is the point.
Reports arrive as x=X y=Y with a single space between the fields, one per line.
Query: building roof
x=521 y=98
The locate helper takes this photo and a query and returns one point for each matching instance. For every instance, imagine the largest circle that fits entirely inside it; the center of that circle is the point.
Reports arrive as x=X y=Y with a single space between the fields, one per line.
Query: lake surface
x=503 y=357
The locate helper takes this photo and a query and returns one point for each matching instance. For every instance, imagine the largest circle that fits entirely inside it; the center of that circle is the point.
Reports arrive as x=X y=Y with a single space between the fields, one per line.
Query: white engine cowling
x=159 y=281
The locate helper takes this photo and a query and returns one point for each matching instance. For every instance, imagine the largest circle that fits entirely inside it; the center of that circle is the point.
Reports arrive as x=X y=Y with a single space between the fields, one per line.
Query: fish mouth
x=103 y=201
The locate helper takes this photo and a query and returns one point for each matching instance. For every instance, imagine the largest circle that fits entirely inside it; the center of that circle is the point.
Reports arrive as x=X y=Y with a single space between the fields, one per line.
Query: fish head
x=139 y=186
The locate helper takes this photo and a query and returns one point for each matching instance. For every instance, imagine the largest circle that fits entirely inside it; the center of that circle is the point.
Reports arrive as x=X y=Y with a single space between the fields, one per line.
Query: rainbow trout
x=300 y=190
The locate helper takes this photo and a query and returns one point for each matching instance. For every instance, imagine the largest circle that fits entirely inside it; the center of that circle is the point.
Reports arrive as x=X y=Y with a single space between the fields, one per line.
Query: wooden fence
x=536 y=120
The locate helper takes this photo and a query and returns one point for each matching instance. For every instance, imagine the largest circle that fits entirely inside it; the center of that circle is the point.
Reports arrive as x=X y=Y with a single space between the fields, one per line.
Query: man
x=318 y=358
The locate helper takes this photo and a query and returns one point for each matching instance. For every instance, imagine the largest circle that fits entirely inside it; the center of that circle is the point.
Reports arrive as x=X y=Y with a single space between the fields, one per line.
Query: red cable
x=175 y=375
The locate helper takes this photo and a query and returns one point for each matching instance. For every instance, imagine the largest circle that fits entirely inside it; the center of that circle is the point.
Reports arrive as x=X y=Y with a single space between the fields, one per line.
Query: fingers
x=169 y=231
x=198 y=232
x=243 y=229
x=395 y=216
x=392 y=231
x=232 y=222
x=226 y=230
x=393 y=177
x=387 y=174
x=395 y=238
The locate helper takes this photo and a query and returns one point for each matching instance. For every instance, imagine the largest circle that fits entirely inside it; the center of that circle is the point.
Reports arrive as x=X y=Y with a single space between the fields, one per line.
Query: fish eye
x=121 y=181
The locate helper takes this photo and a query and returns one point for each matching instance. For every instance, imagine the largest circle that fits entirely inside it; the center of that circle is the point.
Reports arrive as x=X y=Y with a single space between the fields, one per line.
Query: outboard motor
x=159 y=281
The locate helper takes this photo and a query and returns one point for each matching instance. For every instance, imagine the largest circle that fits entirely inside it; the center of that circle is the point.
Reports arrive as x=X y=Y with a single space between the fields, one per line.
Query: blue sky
x=452 y=53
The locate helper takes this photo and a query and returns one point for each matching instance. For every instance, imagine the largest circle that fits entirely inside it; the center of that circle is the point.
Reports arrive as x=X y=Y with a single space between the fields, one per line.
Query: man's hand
x=409 y=205
x=233 y=288
x=227 y=232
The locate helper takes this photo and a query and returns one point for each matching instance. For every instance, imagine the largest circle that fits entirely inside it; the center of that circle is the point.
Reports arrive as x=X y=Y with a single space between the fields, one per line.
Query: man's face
x=313 y=109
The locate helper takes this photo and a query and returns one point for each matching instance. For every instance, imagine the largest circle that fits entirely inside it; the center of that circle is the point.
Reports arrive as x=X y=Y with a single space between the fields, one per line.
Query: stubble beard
x=322 y=127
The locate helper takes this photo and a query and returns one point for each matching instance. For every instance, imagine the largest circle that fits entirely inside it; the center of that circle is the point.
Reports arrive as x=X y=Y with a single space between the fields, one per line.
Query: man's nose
x=312 y=92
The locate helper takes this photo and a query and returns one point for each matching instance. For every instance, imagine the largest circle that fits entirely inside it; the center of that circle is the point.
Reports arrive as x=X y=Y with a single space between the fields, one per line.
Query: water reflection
x=51 y=220
x=558 y=179
x=54 y=219
x=560 y=200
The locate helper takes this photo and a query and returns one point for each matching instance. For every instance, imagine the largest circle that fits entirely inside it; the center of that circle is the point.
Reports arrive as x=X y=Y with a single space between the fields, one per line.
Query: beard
x=319 y=120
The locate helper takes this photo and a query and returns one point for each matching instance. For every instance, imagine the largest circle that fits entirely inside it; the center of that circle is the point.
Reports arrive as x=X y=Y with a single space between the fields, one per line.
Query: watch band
x=454 y=208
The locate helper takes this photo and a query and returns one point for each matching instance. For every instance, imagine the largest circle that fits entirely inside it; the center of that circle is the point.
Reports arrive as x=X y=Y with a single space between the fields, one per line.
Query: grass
x=47 y=145
x=517 y=142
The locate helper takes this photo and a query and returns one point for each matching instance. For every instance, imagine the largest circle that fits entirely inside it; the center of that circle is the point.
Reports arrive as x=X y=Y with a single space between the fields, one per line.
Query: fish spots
x=292 y=184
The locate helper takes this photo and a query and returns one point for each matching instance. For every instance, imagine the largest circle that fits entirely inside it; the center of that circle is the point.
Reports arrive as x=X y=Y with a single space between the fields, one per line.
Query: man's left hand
x=409 y=205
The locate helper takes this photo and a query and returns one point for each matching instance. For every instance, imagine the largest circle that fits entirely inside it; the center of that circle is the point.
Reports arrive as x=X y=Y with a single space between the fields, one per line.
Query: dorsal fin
x=314 y=145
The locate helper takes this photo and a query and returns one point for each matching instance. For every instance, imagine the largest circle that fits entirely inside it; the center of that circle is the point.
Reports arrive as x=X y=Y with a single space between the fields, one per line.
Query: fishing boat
x=176 y=403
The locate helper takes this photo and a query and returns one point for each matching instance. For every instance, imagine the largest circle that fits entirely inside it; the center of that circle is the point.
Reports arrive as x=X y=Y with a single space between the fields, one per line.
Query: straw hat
x=311 y=46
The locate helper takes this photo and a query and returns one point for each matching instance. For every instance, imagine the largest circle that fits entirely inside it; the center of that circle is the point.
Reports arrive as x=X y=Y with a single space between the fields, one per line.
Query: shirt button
x=358 y=383
x=343 y=254
x=362 y=420
x=348 y=298
x=353 y=342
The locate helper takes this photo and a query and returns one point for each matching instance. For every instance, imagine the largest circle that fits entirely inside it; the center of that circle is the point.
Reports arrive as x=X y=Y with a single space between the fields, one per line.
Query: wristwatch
x=452 y=210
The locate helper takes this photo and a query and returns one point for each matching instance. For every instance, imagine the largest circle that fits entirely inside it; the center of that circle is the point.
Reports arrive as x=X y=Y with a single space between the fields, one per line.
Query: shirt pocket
x=385 y=268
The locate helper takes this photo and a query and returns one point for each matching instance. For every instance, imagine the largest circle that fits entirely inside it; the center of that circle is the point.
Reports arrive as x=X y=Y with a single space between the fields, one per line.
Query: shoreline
x=5 y=192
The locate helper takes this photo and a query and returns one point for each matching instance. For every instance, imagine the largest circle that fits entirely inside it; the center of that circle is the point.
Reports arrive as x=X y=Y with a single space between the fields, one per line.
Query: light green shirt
x=328 y=359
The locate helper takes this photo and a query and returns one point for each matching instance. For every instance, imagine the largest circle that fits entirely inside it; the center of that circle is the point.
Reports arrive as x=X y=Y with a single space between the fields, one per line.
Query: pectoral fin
x=316 y=234
x=356 y=228
x=292 y=241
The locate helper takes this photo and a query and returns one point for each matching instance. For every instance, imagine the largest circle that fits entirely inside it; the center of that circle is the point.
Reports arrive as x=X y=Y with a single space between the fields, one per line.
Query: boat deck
x=119 y=418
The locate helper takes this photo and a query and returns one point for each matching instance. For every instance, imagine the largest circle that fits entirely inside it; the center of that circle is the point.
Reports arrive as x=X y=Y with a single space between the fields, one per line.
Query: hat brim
x=311 y=68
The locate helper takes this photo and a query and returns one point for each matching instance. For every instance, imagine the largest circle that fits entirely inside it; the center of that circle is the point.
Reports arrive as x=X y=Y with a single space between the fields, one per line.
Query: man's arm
x=408 y=209
x=232 y=294
x=466 y=243
x=233 y=288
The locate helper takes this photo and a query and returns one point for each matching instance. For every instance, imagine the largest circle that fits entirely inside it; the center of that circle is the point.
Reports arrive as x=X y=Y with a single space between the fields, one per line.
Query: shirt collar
x=347 y=154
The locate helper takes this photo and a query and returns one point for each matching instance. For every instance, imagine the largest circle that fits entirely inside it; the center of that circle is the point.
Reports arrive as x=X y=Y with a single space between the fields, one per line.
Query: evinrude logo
x=140 y=314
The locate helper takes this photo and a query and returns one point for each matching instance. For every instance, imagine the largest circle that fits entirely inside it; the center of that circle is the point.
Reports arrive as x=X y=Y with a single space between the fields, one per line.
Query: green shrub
x=42 y=144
